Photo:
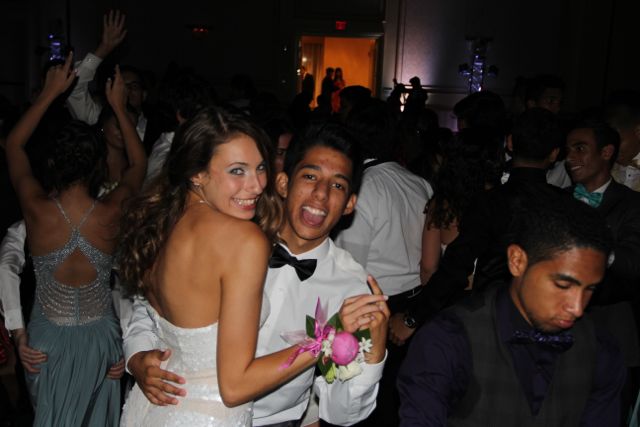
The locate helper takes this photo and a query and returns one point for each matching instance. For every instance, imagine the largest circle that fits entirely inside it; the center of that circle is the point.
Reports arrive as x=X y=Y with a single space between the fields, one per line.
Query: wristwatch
x=409 y=321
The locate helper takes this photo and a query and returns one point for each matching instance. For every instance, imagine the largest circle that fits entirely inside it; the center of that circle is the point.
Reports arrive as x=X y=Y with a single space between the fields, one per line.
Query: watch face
x=409 y=322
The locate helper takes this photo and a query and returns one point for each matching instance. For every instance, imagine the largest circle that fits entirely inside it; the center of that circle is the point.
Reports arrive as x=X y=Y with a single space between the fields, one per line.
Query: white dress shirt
x=337 y=276
x=386 y=233
x=158 y=155
x=558 y=175
x=11 y=264
x=81 y=104
x=628 y=175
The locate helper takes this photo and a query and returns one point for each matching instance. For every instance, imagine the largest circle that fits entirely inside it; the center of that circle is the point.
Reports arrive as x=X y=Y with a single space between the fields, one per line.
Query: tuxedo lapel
x=613 y=195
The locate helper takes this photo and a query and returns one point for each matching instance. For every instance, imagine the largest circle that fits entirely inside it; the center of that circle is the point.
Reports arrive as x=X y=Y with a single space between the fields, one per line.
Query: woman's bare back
x=186 y=280
x=52 y=228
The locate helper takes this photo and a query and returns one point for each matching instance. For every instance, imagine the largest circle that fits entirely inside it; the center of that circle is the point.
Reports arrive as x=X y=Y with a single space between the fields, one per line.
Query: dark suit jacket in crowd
x=483 y=233
x=621 y=209
x=616 y=302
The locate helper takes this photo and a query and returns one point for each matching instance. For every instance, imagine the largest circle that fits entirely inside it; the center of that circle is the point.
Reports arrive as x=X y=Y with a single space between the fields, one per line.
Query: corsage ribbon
x=306 y=343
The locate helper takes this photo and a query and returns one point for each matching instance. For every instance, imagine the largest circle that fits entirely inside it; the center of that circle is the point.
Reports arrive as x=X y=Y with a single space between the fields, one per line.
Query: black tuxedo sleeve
x=624 y=273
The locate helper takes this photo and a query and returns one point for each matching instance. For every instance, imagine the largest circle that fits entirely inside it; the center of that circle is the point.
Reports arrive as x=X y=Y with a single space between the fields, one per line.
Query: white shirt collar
x=320 y=252
x=141 y=126
x=603 y=188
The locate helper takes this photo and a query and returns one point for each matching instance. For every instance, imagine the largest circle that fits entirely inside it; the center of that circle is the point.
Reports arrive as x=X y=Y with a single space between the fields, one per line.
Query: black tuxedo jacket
x=621 y=209
x=616 y=302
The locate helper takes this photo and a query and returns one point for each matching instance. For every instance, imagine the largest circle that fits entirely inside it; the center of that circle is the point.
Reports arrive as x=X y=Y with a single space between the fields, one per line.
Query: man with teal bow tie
x=592 y=148
x=589 y=160
x=594 y=199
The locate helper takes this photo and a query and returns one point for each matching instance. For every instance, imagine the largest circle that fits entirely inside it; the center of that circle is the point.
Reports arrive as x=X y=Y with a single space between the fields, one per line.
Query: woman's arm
x=57 y=81
x=241 y=376
x=134 y=174
x=430 y=247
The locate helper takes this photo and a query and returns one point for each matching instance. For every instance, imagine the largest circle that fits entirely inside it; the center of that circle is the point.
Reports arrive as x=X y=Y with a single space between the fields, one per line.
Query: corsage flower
x=339 y=353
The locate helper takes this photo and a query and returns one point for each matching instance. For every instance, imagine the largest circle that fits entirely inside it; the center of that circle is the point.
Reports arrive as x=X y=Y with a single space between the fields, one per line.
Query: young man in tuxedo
x=322 y=174
x=592 y=148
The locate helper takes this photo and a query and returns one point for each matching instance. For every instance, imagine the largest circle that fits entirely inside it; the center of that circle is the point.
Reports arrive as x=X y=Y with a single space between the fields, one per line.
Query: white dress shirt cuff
x=139 y=335
x=371 y=373
x=12 y=261
x=13 y=319
x=88 y=66
x=346 y=403
x=140 y=343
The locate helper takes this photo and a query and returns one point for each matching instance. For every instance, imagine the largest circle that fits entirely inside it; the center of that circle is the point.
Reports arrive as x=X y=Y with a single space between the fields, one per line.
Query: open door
x=357 y=56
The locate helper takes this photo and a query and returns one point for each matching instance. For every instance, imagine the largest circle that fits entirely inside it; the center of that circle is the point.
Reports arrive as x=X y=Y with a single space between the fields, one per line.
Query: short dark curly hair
x=536 y=86
x=76 y=155
x=535 y=134
x=546 y=222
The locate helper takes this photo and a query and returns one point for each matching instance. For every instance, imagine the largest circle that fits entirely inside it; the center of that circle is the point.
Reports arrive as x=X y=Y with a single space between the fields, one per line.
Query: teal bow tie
x=593 y=199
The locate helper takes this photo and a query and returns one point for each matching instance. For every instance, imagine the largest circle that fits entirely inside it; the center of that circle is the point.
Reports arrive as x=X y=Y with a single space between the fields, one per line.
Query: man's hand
x=116 y=371
x=398 y=331
x=152 y=380
x=113 y=33
x=28 y=356
x=356 y=312
x=378 y=326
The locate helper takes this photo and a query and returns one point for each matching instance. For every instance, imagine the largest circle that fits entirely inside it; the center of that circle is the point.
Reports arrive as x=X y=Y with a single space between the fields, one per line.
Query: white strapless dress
x=193 y=356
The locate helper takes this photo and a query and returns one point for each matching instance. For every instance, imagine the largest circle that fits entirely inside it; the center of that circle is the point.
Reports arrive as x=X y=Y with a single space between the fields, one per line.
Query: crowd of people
x=160 y=241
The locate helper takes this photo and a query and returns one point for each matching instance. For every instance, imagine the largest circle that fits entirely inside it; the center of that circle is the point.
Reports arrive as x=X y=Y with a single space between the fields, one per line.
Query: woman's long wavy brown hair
x=150 y=216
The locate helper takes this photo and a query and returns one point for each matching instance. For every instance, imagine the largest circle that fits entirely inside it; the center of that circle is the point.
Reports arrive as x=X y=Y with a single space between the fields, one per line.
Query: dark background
x=592 y=44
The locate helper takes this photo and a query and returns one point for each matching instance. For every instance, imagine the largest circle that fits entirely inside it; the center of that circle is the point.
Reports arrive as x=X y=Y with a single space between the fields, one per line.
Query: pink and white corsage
x=340 y=353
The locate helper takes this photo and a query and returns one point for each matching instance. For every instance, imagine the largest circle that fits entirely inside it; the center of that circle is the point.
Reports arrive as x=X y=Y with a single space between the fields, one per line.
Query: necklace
x=202 y=200
x=205 y=202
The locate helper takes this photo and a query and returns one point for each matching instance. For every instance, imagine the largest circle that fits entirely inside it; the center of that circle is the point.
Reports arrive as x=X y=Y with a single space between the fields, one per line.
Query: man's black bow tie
x=560 y=342
x=304 y=267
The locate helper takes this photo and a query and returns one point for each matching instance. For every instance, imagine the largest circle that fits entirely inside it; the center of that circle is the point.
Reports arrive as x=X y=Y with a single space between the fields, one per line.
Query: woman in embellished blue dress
x=72 y=349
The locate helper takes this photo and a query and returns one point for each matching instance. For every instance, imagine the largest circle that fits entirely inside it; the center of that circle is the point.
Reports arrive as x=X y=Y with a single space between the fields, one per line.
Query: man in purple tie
x=523 y=353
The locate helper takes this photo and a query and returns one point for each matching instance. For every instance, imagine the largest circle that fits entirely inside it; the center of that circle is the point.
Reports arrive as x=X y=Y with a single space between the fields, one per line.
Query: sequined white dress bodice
x=193 y=356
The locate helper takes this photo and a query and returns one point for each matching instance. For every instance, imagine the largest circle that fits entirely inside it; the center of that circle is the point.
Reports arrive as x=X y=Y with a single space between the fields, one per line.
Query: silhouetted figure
x=338 y=85
x=242 y=92
x=308 y=82
x=327 y=86
x=417 y=96
x=484 y=109
x=544 y=91
x=352 y=97
x=395 y=97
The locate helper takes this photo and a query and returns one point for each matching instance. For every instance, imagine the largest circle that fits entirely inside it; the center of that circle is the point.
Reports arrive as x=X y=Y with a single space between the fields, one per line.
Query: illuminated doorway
x=357 y=56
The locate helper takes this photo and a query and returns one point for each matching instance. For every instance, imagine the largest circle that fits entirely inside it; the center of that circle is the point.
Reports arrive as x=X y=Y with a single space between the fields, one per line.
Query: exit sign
x=341 y=25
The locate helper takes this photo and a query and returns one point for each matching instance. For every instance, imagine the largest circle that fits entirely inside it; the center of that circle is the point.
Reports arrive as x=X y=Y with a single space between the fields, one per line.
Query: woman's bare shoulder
x=220 y=230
